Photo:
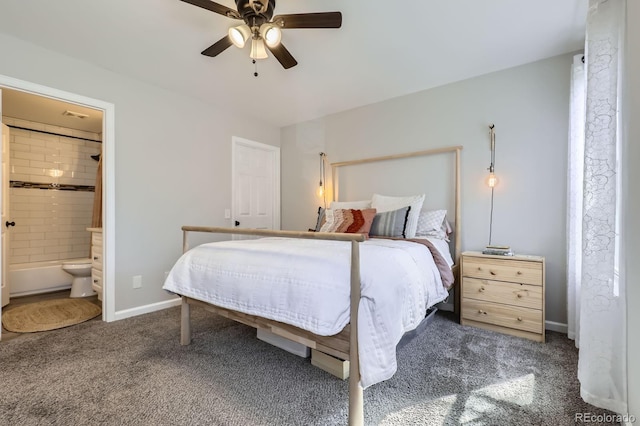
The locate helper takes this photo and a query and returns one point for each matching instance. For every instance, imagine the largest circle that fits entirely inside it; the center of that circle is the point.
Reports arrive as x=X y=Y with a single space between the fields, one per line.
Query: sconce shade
x=239 y=35
x=492 y=180
x=258 y=51
x=320 y=191
x=271 y=34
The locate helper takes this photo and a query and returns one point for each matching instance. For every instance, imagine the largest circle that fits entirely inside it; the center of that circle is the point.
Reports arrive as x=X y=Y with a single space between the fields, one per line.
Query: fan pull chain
x=255 y=73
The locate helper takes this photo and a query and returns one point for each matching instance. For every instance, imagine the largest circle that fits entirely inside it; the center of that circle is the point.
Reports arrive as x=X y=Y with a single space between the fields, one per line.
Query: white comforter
x=305 y=283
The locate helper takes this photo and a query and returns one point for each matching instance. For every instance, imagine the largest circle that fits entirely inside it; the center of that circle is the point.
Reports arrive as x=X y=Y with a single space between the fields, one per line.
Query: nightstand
x=504 y=294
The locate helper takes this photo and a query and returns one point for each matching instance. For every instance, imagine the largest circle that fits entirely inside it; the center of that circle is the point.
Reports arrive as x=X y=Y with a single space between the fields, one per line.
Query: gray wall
x=172 y=161
x=529 y=106
x=632 y=210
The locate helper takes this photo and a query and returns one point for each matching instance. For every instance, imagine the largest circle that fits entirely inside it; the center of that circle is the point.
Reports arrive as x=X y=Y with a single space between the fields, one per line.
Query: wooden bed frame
x=343 y=345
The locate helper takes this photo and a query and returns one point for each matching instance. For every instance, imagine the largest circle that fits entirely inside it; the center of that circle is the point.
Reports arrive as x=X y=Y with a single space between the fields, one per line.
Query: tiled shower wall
x=50 y=224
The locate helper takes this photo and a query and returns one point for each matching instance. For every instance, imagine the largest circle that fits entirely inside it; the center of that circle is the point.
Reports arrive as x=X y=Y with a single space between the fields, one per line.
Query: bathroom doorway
x=82 y=126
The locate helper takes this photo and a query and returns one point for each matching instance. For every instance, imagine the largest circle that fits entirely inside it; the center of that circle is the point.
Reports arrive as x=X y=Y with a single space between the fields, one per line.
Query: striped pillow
x=390 y=224
x=349 y=221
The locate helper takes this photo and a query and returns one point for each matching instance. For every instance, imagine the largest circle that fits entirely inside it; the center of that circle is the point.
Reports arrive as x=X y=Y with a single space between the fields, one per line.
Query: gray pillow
x=390 y=224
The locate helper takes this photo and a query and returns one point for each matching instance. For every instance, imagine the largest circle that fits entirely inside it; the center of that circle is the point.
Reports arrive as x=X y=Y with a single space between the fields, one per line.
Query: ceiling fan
x=262 y=28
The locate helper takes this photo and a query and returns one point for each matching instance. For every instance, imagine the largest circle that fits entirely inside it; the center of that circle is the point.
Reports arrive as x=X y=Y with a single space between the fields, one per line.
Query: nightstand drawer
x=525 y=295
x=503 y=270
x=503 y=315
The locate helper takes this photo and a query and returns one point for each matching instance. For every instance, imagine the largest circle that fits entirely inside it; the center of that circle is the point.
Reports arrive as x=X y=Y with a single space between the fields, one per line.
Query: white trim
x=556 y=326
x=235 y=140
x=108 y=176
x=146 y=309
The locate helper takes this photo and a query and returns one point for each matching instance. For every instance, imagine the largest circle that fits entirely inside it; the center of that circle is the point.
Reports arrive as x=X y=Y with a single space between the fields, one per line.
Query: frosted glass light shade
x=271 y=34
x=239 y=35
x=320 y=191
x=258 y=50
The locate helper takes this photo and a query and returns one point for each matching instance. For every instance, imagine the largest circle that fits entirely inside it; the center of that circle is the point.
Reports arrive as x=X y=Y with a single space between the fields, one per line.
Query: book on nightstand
x=498 y=250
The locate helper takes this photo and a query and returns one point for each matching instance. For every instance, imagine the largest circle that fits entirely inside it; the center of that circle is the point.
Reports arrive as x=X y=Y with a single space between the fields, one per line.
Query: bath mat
x=48 y=315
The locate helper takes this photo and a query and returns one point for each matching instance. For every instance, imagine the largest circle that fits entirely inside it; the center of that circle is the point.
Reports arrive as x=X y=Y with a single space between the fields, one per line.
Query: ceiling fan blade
x=215 y=7
x=283 y=56
x=218 y=47
x=309 y=20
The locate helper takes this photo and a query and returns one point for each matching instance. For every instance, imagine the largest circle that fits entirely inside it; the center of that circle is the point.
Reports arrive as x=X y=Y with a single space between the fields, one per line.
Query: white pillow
x=432 y=223
x=356 y=205
x=384 y=203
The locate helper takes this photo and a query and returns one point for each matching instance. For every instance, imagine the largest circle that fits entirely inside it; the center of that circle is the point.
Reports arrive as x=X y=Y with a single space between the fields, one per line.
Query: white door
x=4 y=206
x=255 y=185
x=4 y=195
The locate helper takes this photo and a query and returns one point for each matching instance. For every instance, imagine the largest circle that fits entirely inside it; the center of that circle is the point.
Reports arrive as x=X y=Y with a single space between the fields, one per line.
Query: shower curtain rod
x=52 y=133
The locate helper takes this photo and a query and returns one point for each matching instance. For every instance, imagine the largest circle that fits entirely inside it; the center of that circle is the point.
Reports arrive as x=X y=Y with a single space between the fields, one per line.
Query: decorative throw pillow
x=358 y=205
x=433 y=223
x=390 y=224
x=349 y=221
x=384 y=203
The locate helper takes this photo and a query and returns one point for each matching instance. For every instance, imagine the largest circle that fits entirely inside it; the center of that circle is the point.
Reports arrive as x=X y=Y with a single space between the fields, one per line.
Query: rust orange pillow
x=350 y=221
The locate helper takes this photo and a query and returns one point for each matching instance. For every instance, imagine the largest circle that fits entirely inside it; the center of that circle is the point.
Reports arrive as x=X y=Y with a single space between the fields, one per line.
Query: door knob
x=8 y=224
x=237 y=223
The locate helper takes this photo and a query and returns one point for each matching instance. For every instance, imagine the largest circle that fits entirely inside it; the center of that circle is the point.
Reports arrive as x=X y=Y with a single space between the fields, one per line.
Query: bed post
x=457 y=239
x=356 y=406
x=185 y=323
x=185 y=313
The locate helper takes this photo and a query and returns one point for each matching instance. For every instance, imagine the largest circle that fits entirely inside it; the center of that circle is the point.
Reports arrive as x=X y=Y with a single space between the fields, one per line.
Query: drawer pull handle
x=519 y=295
x=95 y=281
x=480 y=311
x=518 y=273
x=481 y=289
x=492 y=273
x=519 y=318
x=95 y=257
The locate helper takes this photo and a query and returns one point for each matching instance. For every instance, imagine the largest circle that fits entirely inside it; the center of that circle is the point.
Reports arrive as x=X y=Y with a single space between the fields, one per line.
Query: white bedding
x=305 y=283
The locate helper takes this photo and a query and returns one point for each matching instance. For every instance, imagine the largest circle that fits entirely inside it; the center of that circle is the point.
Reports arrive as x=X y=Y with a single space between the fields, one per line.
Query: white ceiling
x=383 y=50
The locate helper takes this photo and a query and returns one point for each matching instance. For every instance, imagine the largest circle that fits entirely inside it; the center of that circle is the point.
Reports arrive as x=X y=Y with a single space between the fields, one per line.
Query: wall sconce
x=492 y=179
x=320 y=191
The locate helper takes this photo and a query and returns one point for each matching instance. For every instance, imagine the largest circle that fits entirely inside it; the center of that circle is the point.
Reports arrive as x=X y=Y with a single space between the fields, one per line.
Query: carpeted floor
x=134 y=372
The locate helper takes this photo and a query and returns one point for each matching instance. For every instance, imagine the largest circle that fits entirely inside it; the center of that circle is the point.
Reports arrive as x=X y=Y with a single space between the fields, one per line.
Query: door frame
x=108 y=176
x=235 y=141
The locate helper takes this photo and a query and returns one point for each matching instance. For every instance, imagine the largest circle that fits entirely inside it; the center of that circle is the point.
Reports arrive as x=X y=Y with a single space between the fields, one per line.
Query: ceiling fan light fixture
x=258 y=51
x=239 y=35
x=271 y=34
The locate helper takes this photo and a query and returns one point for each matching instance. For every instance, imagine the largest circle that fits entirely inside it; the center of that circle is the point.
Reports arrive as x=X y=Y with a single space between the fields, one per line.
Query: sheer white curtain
x=596 y=294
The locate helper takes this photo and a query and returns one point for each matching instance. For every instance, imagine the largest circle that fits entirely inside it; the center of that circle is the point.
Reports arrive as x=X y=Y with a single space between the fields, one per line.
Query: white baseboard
x=556 y=326
x=127 y=313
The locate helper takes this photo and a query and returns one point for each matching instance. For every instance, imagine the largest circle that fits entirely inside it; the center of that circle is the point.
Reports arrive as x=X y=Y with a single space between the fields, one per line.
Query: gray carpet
x=134 y=372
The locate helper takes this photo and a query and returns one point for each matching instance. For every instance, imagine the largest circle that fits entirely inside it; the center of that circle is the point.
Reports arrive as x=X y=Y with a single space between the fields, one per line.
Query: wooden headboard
x=455 y=150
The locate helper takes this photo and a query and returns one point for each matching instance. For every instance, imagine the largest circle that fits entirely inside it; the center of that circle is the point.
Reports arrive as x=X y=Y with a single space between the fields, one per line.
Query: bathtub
x=38 y=277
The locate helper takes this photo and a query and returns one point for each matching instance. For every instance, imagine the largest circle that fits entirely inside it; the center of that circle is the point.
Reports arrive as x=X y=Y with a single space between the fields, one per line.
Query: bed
x=282 y=282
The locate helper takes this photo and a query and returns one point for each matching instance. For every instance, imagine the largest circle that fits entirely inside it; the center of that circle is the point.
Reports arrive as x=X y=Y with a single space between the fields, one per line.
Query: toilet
x=80 y=269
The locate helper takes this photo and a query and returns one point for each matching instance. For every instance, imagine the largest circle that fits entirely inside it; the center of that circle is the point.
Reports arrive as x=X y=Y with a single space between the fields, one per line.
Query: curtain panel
x=596 y=292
